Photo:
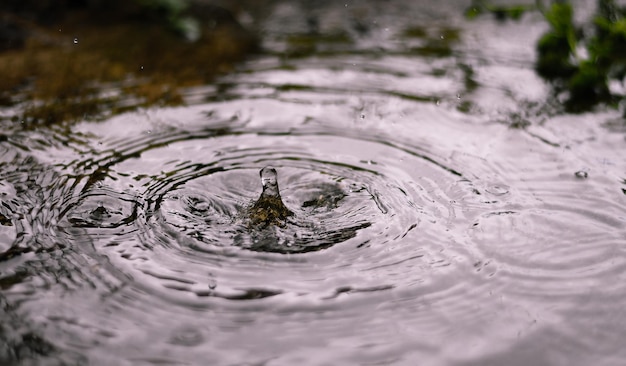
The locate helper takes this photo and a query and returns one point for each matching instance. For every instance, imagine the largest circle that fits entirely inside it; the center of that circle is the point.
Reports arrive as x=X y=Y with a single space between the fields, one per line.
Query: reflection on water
x=434 y=210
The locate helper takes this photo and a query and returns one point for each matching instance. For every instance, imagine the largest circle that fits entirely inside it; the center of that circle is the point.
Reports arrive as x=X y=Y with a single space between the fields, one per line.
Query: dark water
x=444 y=213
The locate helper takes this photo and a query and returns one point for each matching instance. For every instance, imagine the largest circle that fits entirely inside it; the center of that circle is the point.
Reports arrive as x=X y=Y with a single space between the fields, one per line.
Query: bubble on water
x=187 y=337
x=581 y=174
x=498 y=189
x=355 y=188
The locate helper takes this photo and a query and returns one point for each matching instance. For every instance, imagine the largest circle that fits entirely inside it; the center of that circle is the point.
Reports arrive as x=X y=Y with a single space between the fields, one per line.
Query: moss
x=415 y=32
x=59 y=74
x=436 y=43
x=306 y=44
x=500 y=12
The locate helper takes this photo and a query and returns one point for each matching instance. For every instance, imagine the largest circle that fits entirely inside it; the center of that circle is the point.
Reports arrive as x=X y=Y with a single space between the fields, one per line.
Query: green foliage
x=580 y=64
x=172 y=11
x=586 y=78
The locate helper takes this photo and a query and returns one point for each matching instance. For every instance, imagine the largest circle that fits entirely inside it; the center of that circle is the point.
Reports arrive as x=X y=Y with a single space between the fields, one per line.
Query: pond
x=440 y=210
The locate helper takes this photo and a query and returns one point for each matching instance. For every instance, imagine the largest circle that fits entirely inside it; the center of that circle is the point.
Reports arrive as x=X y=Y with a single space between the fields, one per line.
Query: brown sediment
x=87 y=65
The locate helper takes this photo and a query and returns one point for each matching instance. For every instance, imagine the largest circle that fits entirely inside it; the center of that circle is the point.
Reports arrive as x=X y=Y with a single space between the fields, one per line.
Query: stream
x=444 y=211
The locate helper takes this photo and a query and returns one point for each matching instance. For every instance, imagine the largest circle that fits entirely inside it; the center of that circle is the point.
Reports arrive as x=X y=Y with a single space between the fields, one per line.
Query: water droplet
x=212 y=283
x=75 y=40
x=269 y=181
x=581 y=174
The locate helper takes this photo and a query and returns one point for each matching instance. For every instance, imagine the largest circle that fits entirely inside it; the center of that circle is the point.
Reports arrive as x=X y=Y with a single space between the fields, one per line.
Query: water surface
x=444 y=211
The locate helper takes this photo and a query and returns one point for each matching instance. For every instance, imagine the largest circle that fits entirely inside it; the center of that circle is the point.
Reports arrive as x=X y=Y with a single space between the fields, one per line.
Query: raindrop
x=75 y=40
x=581 y=174
x=212 y=283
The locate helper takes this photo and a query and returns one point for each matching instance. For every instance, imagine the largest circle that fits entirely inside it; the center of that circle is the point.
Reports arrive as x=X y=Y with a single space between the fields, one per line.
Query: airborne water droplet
x=212 y=283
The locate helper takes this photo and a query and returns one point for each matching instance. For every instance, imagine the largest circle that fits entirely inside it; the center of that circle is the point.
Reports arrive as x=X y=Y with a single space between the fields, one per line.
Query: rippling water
x=443 y=213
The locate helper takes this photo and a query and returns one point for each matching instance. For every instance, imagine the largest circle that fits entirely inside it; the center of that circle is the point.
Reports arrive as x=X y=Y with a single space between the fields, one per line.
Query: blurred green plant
x=173 y=12
x=580 y=60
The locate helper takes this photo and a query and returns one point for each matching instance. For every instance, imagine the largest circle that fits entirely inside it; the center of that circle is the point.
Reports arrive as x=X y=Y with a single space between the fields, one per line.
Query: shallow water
x=444 y=213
